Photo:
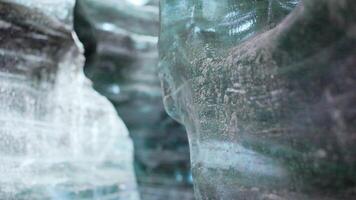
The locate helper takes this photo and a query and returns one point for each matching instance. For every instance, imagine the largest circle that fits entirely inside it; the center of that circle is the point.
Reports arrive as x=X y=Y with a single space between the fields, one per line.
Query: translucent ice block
x=266 y=90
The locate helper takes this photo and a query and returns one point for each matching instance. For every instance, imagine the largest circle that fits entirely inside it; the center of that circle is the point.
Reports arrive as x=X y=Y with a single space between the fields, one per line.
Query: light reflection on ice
x=228 y=155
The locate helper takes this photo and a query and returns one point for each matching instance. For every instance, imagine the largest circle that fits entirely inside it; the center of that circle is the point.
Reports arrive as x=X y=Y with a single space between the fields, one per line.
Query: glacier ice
x=266 y=91
x=59 y=139
x=120 y=40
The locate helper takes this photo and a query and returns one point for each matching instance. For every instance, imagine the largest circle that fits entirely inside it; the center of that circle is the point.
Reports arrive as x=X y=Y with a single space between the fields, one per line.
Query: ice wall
x=120 y=39
x=268 y=98
x=59 y=139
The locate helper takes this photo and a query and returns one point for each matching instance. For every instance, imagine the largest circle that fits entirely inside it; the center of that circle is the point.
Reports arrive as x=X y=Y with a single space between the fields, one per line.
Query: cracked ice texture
x=59 y=139
x=268 y=98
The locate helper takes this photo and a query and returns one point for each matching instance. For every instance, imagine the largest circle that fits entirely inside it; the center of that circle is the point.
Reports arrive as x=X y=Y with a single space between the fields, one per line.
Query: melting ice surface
x=59 y=139
x=262 y=95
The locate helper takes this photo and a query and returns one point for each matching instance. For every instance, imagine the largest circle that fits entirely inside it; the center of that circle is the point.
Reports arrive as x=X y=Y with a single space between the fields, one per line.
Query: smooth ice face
x=59 y=139
x=266 y=98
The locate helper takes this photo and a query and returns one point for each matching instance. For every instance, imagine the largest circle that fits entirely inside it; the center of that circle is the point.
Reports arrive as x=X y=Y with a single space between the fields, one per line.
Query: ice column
x=267 y=97
x=59 y=139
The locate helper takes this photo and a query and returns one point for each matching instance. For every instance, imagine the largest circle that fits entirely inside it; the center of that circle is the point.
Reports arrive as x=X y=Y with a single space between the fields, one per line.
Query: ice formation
x=267 y=97
x=121 y=46
x=59 y=139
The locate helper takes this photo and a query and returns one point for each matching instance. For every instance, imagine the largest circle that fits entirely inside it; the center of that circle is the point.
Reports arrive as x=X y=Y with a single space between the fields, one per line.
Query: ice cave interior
x=177 y=99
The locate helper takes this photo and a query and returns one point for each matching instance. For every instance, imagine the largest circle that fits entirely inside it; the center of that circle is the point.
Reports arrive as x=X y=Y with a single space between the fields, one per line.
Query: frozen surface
x=62 y=9
x=120 y=38
x=59 y=139
x=266 y=90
